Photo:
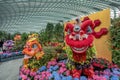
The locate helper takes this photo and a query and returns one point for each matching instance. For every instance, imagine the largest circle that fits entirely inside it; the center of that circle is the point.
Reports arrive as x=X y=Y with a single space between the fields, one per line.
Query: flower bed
x=57 y=70
x=10 y=56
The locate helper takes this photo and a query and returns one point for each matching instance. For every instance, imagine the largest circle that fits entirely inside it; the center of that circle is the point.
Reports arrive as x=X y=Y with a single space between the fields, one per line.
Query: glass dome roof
x=33 y=15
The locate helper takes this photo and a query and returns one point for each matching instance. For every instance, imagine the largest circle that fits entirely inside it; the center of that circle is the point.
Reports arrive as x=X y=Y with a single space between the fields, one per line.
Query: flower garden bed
x=10 y=56
x=58 y=70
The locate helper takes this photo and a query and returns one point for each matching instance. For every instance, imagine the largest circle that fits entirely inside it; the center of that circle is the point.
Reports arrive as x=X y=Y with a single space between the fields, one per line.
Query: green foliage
x=46 y=35
x=48 y=50
x=91 y=53
x=59 y=32
x=49 y=54
x=18 y=46
x=69 y=52
x=52 y=33
x=115 y=40
x=49 y=31
x=24 y=37
x=43 y=38
x=33 y=63
x=62 y=56
x=16 y=33
x=20 y=43
x=5 y=36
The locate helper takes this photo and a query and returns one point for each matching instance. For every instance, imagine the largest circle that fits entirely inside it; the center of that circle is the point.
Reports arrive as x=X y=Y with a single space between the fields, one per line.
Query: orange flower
x=17 y=37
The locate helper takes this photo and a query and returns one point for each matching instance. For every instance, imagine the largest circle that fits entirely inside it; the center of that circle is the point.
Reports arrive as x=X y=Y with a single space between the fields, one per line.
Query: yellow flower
x=64 y=48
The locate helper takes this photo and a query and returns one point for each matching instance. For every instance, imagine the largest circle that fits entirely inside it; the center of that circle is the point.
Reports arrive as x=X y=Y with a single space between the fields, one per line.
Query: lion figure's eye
x=89 y=30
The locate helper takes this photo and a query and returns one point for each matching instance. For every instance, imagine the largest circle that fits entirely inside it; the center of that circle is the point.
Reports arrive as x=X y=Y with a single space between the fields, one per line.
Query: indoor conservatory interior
x=60 y=39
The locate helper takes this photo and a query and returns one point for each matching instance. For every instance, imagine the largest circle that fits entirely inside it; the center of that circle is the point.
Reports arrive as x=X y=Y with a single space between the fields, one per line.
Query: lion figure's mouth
x=79 y=50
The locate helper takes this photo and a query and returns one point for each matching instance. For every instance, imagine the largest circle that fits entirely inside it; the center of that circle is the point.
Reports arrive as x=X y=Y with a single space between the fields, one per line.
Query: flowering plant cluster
x=57 y=70
x=10 y=55
x=101 y=63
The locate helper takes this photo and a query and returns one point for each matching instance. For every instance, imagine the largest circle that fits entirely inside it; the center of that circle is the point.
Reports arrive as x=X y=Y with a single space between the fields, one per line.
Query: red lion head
x=80 y=37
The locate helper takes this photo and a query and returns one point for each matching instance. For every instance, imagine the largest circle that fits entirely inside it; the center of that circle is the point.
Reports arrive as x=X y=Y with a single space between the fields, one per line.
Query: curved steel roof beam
x=77 y=6
x=11 y=9
x=37 y=21
x=4 y=12
x=58 y=12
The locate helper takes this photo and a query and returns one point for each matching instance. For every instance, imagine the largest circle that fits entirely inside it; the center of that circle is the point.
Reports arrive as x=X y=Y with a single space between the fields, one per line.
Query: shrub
x=115 y=40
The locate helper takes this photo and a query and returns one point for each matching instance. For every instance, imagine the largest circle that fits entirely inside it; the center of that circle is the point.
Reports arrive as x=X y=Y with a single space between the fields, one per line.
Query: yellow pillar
x=102 y=47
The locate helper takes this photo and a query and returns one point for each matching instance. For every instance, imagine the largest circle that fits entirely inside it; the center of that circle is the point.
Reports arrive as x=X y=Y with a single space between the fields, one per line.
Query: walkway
x=9 y=70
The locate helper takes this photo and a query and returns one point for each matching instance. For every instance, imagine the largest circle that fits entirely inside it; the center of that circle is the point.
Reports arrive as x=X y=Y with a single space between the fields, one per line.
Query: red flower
x=76 y=73
x=89 y=72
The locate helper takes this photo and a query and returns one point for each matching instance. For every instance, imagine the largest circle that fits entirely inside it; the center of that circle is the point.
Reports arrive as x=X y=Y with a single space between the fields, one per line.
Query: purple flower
x=107 y=72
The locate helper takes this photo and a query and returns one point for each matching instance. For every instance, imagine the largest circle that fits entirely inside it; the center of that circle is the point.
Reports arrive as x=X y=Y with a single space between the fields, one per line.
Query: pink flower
x=32 y=73
x=42 y=78
x=36 y=77
x=20 y=73
x=61 y=70
x=48 y=74
x=28 y=79
x=27 y=72
x=22 y=69
x=53 y=63
x=45 y=75
x=95 y=77
x=67 y=72
x=48 y=66
x=61 y=64
x=90 y=79
x=24 y=77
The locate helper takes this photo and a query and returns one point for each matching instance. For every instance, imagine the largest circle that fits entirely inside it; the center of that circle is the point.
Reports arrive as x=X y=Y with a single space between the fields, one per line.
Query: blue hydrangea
x=115 y=71
x=55 y=67
x=106 y=76
x=43 y=68
x=76 y=79
x=114 y=77
x=83 y=78
x=69 y=78
x=64 y=78
x=50 y=70
x=56 y=76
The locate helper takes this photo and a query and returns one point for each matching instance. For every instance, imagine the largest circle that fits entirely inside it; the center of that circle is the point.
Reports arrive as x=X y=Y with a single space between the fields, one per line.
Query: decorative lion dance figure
x=80 y=38
x=32 y=49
